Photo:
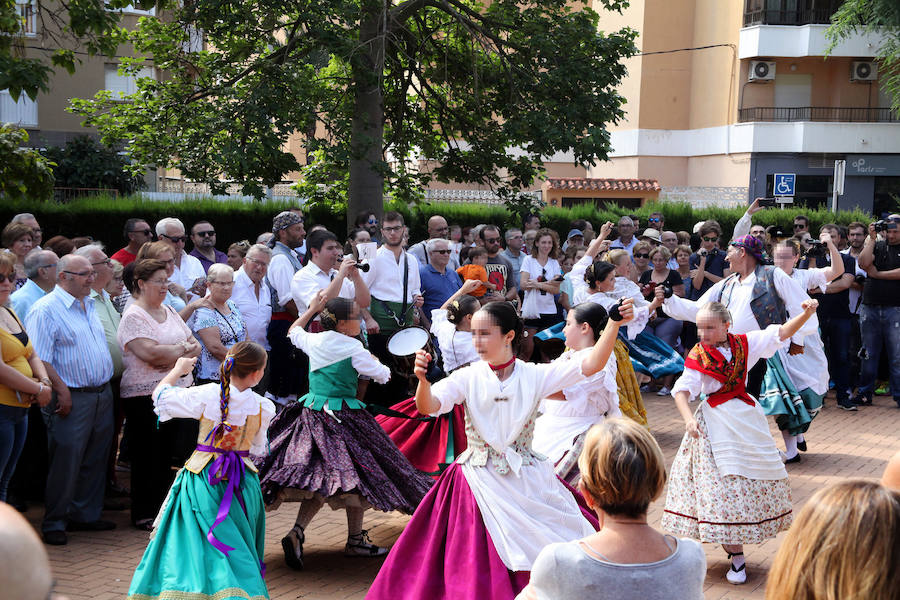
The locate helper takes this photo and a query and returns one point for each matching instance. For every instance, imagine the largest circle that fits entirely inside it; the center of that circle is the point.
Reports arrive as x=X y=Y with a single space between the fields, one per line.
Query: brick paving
x=98 y=566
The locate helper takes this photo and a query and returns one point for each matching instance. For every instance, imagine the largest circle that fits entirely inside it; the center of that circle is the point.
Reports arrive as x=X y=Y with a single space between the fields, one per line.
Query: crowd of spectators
x=86 y=335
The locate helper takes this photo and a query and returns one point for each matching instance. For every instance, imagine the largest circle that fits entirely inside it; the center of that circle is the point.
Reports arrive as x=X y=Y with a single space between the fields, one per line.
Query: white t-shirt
x=545 y=302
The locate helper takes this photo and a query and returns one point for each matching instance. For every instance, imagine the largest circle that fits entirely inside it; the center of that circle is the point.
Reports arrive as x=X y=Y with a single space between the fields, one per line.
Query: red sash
x=731 y=374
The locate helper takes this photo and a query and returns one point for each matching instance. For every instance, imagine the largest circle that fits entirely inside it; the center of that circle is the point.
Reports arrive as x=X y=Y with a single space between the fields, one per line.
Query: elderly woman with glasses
x=176 y=295
x=152 y=337
x=217 y=323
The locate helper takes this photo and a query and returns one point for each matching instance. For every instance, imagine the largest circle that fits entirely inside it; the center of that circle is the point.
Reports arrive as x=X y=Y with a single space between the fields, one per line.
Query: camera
x=363 y=266
x=667 y=291
x=859 y=280
x=879 y=226
x=765 y=202
x=816 y=249
x=702 y=252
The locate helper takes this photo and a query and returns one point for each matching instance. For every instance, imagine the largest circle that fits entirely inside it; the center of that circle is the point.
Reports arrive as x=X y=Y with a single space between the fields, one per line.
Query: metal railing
x=62 y=195
x=832 y=114
x=776 y=13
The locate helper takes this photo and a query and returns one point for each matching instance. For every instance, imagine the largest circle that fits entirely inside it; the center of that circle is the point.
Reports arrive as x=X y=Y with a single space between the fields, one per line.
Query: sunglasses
x=10 y=278
x=492 y=240
x=441 y=251
x=653 y=220
x=373 y=221
x=709 y=239
x=175 y=239
x=642 y=256
x=206 y=233
x=799 y=226
x=141 y=231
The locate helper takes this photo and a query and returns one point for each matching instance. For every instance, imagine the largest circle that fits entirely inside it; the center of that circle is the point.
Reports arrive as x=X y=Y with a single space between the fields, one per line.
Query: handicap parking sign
x=785 y=184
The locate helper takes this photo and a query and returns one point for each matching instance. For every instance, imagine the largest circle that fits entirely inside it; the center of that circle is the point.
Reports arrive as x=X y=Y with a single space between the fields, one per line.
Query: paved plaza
x=98 y=566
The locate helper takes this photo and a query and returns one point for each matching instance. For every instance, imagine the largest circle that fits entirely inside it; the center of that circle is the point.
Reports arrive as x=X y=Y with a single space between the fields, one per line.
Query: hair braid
x=225 y=386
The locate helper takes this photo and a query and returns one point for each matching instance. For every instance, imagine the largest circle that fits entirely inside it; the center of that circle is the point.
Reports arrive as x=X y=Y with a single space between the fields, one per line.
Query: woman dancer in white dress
x=727 y=484
x=431 y=445
x=480 y=528
x=567 y=415
x=796 y=382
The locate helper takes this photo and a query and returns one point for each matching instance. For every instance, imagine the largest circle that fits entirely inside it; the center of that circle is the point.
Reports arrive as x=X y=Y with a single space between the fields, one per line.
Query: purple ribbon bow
x=228 y=465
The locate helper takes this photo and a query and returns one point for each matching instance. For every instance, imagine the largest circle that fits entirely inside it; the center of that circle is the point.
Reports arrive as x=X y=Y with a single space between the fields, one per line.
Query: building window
x=124 y=84
x=25 y=9
x=23 y=113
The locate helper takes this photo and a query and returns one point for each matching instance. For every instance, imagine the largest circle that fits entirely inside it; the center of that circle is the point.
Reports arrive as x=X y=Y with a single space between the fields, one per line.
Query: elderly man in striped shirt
x=66 y=333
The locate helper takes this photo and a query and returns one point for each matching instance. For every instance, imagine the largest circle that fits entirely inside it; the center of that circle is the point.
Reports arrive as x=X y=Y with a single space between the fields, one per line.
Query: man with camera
x=834 y=309
x=879 y=317
x=708 y=262
x=320 y=274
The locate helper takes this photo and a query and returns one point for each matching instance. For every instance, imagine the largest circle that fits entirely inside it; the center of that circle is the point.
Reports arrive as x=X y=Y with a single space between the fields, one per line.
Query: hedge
x=103 y=217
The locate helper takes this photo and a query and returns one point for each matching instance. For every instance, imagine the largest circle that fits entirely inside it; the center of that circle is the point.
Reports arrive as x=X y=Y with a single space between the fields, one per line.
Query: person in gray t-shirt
x=622 y=471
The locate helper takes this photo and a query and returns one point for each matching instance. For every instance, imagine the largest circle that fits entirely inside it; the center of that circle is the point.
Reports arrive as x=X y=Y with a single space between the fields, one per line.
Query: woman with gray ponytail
x=215 y=506
x=326 y=447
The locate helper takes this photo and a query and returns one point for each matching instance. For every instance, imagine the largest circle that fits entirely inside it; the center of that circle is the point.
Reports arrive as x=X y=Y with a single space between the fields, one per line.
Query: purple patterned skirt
x=348 y=463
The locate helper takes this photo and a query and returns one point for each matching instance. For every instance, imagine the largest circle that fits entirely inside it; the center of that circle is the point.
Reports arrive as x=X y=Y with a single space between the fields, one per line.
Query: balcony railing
x=767 y=12
x=830 y=114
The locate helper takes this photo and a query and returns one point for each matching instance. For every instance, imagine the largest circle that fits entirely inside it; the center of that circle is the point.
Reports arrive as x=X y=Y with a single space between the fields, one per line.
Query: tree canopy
x=483 y=92
x=873 y=16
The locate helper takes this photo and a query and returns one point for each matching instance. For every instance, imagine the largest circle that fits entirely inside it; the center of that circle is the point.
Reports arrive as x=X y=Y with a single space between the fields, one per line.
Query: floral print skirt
x=704 y=505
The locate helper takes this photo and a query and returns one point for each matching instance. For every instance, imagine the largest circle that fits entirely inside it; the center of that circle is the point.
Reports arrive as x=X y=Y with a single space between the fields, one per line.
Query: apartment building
x=727 y=93
x=46 y=119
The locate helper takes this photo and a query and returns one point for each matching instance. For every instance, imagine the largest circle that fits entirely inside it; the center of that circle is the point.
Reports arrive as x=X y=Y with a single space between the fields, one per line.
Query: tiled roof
x=603 y=185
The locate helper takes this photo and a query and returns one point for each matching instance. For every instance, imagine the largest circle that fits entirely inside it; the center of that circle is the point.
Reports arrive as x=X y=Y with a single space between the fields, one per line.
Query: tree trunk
x=367 y=133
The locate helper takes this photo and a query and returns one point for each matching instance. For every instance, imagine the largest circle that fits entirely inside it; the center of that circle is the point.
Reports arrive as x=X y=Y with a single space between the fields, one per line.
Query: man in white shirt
x=320 y=274
x=391 y=309
x=189 y=272
x=251 y=294
x=289 y=369
x=755 y=294
x=626 y=240
x=253 y=298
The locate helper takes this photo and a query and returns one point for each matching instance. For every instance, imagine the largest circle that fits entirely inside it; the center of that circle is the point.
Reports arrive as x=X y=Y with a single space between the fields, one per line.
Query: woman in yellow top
x=23 y=378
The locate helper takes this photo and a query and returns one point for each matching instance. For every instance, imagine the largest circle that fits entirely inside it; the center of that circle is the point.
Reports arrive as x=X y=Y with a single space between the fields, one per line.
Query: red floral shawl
x=731 y=374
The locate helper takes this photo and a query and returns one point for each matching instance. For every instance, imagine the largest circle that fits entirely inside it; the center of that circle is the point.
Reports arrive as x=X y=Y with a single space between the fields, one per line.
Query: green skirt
x=180 y=564
x=793 y=410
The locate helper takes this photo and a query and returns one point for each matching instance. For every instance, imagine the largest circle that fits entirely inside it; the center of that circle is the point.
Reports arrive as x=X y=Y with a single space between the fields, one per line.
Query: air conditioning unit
x=863 y=70
x=761 y=70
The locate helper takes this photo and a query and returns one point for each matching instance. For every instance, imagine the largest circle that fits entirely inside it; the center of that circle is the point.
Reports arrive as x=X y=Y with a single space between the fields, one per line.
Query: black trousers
x=289 y=373
x=151 y=457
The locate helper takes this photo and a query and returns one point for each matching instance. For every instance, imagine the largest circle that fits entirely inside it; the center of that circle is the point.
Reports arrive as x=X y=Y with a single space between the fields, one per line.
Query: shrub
x=103 y=217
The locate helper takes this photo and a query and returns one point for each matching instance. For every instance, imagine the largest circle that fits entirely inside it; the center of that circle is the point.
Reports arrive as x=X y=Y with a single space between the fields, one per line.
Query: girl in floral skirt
x=728 y=484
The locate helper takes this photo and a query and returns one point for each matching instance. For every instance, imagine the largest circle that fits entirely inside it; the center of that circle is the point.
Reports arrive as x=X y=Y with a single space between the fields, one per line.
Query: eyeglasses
x=141 y=231
x=495 y=240
x=158 y=281
x=393 y=229
x=642 y=255
x=441 y=251
x=710 y=239
x=10 y=278
x=175 y=238
x=87 y=274
x=799 y=226
x=206 y=233
x=106 y=262
x=258 y=262
x=47 y=266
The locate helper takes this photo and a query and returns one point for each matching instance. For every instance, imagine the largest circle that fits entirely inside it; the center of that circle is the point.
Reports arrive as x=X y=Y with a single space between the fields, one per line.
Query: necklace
x=504 y=365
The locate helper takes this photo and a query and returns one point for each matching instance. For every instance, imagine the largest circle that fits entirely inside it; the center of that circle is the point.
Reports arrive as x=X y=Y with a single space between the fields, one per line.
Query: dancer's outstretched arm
x=600 y=353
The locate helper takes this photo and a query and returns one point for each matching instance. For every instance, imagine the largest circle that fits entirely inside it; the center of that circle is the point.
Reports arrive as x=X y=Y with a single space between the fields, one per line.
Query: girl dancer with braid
x=326 y=447
x=209 y=535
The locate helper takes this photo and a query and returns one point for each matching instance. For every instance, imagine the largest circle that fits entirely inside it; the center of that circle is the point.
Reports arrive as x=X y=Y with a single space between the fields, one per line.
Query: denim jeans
x=879 y=325
x=13 y=428
x=836 y=337
x=855 y=346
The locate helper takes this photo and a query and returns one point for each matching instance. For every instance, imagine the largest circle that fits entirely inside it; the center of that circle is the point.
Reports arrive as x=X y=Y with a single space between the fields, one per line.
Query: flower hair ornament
x=456 y=304
x=327 y=314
